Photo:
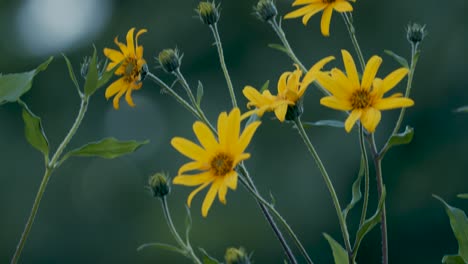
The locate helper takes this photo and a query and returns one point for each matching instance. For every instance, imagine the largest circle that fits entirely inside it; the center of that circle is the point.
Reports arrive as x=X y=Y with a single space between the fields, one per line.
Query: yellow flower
x=131 y=56
x=215 y=160
x=290 y=91
x=314 y=6
x=363 y=98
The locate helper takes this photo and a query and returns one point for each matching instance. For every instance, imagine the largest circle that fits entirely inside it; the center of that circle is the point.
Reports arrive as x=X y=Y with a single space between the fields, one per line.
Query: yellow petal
x=231 y=180
x=393 y=79
x=193 y=180
x=113 y=55
x=343 y=6
x=282 y=82
x=351 y=70
x=370 y=119
x=334 y=103
x=115 y=87
x=194 y=192
x=246 y=136
x=128 y=98
x=314 y=9
x=325 y=22
x=193 y=165
x=304 y=2
x=130 y=43
x=222 y=193
x=233 y=129
x=141 y=31
x=370 y=72
x=222 y=129
x=241 y=157
x=122 y=46
x=332 y=86
x=189 y=149
x=342 y=80
x=352 y=118
x=393 y=102
x=299 y=12
x=210 y=196
x=205 y=136
x=280 y=111
x=310 y=75
x=116 y=99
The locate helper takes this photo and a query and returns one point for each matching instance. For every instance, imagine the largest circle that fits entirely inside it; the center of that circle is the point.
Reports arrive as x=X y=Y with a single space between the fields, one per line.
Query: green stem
x=187 y=248
x=50 y=167
x=366 y=175
x=331 y=189
x=352 y=35
x=214 y=29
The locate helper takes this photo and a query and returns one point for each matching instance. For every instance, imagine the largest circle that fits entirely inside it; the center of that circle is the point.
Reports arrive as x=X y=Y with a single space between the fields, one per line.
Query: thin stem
x=175 y=234
x=214 y=29
x=50 y=167
x=331 y=189
x=366 y=175
x=352 y=35
x=380 y=187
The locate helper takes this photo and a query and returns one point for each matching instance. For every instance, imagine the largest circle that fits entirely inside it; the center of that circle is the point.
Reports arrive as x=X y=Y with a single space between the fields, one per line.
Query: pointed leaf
x=459 y=224
x=161 y=246
x=453 y=259
x=463 y=109
x=207 y=259
x=199 y=93
x=188 y=225
x=72 y=73
x=402 y=61
x=265 y=86
x=463 y=195
x=92 y=77
x=356 y=190
x=339 y=253
x=107 y=148
x=34 y=132
x=278 y=47
x=402 y=138
x=329 y=123
x=14 y=85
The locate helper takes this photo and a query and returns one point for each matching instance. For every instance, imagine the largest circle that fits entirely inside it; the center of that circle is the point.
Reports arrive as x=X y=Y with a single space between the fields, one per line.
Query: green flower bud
x=236 y=256
x=208 y=12
x=415 y=33
x=294 y=111
x=266 y=10
x=169 y=60
x=159 y=185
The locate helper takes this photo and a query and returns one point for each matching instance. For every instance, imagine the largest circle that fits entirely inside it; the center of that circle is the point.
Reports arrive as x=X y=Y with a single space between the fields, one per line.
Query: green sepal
x=278 y=47
x=453 y=259
x=92 y=76
x=14 y=85
x=207 y=259
x=339 y=253
x=34 y=132
x=71 y=72
x=402 y=61
x=459 y=224
x=356 y=190
x=162 y=246
x=199 y=93
x=265 y=86
x=328 y=123
x=108 y=148
x=463 y=109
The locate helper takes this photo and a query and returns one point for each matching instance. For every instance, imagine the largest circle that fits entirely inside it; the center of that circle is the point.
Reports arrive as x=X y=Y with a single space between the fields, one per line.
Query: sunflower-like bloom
x=314 y=6
x=215 y=160
x=131 y=57
x=290 y=90
x=364 y=98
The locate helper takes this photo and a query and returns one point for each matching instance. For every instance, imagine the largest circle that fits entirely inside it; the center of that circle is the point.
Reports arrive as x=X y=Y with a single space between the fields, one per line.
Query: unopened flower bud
x=294 y=111
x=208 y=12
x=236 y=256
x=415 y=33
x=266 y=10
x=169 y=60
x=159 y=185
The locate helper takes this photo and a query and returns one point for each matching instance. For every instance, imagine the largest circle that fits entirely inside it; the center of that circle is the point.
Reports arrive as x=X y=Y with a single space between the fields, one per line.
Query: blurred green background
x=97 y=211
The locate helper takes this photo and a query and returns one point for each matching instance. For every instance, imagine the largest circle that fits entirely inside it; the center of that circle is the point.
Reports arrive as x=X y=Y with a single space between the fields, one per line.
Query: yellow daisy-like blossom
x=312 y=7
x=131 y=57
x=290 y=91
x=215 y=160
x=364 y=98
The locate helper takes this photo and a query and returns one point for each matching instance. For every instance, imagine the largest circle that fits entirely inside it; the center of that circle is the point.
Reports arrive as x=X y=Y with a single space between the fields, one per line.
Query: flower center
x=132 y=72
x=360 y=99
x=221 y=164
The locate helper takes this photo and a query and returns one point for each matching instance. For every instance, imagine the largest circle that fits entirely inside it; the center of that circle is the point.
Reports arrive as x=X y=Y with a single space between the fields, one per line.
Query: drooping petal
x=352 y=118
x=351 y=70
x=246 y=136
x=205 y=136
x=393 y=79
x=343 y=6
x=310 y=75
x=189 y=149
x=393 y=102
x=128 y=97
x=122 y=46
x=139 y=33
x=193 y=165
x=130 y=42
x=370 y=72
x=194 y=192
x=334 y=103
x=115 y=87
x=280 y=111
x=210 y=196
x=193 y=180
x=116 y=99
x=370 y=119
x=325 y=22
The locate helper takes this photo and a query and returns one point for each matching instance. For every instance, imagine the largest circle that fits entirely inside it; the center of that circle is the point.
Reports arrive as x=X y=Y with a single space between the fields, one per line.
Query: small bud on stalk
x=415 y=33
x=208 y=12
x=236 y=256
x=266 y=10
x=169 y=60
x=159 y=185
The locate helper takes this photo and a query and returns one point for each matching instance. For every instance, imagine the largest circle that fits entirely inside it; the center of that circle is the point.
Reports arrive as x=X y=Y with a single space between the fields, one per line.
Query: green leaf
x=107 y=75
x=91 y=83
x=398 y=58
x=199 y=93
x=14 y=85
x=34 y=132
x=463 y=195
x=279 y=47
x=71 y=73
x=402 y=138
x=207 y=259
x=265 y=86
x=329 y=123
x=162 y=246
x=339 y=253
x=356 y=190
x=459 y=224
x=463 y=109
x=370 y=223
x=453 y=259
x=107 y=148
x=188 y=224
